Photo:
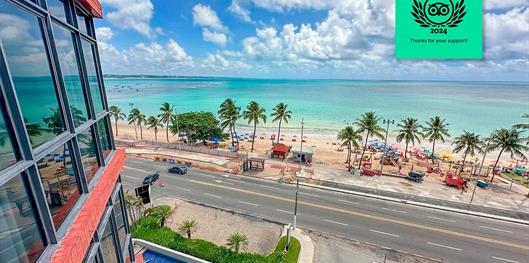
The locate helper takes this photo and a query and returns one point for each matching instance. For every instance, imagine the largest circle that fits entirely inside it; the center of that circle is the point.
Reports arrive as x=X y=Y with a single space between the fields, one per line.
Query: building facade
x=61 y=198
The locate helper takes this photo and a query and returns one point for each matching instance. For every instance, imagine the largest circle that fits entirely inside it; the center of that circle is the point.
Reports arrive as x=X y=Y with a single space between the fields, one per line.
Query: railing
x=181 y=147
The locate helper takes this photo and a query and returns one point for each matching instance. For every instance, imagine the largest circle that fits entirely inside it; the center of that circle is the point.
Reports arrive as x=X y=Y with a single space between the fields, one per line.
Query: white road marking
x=181 y=188
x=283 y=211
x=130 y=177
x=439 y=245
x=496 y=229
x=136 y=169
x=349 y=202
x=216 y=196
x=506 y=260
x=248 y=203
x=383 y=233
x=313 y=195
x=334 y=222
x=438 y=218
x=394 y=210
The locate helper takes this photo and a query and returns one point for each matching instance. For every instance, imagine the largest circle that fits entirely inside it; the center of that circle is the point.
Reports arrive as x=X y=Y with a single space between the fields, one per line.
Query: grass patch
x=148 y=228
x=521 y=180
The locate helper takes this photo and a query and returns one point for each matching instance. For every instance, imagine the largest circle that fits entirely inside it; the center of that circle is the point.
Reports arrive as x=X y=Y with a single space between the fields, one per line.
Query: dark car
x=150 y=179
x=178 y=169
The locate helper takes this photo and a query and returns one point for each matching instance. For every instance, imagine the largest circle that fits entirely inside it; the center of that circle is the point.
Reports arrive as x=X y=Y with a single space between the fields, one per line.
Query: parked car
x=150 y=179
x=178 y=169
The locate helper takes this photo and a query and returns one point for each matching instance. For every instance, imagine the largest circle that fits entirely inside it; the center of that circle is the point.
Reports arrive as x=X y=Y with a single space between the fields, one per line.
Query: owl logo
x=438 y=13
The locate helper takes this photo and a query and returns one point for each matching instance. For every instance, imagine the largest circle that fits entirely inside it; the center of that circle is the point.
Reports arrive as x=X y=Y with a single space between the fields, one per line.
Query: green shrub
x=148 y=228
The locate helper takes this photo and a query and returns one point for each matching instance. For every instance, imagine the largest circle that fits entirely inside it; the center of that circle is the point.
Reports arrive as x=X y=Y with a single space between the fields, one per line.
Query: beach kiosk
x=305 y=155
x=280 y=151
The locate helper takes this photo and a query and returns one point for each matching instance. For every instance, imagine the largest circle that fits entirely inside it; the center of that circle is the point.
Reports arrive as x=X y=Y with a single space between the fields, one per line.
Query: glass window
x=81 y=22
x=70 y=74
x=120 y=222
x=104 y=138
x=60 y=185
x=7 y=156
x=87 y=146
x=107 y=245
x=57 y=8
x=26 y=56
x=20 y=237
x=92 y=76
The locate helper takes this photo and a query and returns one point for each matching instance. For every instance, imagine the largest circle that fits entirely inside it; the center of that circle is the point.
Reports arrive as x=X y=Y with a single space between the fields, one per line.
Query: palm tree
x=409 y=131
x=510 y=141
x=436 y=129
x=154 y=123
x=368 y=122
x=237 y=241
x=350 y=138
x=164 y=214
x=133 y=119
x=141 y=120
x=229 y=113
x=166 y=116
x=187 y=227
x=468 y=143
x=523 y=126
x=116 y=113
x=281 y=113
x=254 y=113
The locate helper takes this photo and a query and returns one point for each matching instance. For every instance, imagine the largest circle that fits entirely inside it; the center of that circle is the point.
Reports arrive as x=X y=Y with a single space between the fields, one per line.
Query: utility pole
x=297 y=178
x=479 y=172
x=388 y=122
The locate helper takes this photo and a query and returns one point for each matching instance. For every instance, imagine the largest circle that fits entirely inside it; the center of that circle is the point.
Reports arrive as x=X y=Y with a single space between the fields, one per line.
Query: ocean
x=328 y=105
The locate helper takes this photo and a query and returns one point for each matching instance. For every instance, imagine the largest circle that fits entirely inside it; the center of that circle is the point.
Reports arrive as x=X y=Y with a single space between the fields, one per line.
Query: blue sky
x=351 y=39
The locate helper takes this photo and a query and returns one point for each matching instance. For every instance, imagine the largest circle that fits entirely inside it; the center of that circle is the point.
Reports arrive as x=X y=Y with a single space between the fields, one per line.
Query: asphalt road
x=432 y=233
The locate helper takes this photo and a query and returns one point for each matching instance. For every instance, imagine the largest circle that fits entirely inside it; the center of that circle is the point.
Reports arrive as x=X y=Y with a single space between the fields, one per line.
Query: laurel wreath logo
x=420 y=15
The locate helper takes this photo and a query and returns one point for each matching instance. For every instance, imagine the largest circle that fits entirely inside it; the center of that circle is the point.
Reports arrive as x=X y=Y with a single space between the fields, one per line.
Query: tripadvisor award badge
x=438 y=29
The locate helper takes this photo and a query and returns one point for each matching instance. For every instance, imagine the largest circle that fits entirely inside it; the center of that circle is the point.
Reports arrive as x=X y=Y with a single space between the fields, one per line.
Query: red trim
x=75 y=244
x=93 y=7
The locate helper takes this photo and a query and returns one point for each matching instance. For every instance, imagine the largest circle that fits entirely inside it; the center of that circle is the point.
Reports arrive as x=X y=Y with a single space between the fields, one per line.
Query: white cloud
x=507 y=34
x=504 y=4
x=204 y=16
x=214 y=37
x=242 y=12
x=104 y=34
x=132 y=14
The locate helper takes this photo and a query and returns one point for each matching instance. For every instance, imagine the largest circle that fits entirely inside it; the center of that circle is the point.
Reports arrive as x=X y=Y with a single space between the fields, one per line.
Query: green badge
x=439 y=29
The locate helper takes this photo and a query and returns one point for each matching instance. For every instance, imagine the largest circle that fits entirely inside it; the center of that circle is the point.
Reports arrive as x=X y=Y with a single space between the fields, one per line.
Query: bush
x=148 y=228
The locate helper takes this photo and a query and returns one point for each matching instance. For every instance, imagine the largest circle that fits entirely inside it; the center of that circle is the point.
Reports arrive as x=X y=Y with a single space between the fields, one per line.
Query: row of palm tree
x=411 y=131
x=235 y=241
x=229 y=114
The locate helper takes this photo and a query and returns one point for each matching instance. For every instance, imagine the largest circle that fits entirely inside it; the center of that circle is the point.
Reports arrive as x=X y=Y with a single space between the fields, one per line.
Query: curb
x=438 y=207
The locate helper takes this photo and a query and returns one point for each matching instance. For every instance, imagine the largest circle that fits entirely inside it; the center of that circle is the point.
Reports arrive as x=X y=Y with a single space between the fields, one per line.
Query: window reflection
x=60 y=185
x=104 y=137
x=81 y=22
x=107 y=245
x=70 y=74
x=26 y=56
x=87 y=146
x=20 y=237
x=120 y=222
x=92 y=76
x=7 y=156
x=57 y=8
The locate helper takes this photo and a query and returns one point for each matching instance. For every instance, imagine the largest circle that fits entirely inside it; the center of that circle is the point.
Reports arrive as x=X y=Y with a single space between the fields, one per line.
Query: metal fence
x=182 y=147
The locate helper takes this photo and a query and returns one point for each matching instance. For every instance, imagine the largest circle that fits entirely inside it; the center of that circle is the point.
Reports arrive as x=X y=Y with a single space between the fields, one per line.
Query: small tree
x=154 y=123
x=132 y=202
x=187 y=227
x=115 y=112
x=237 y=241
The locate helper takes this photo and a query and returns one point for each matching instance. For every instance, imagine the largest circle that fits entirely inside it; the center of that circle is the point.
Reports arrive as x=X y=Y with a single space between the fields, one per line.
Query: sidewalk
x=306 y=254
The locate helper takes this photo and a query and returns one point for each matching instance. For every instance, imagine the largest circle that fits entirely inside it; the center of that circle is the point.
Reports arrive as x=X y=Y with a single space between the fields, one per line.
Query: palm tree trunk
x=136 y=131
x=231 y=135
x=463 y=165
x=167 y=131
x=117 y=128
x=253 y=137
x=349 y=157
x=495 y=164
x=433 y=151
x=189 y=234
x=363 y=151
x=406 y=153
x=156 y=134
x=279 y=130
x=141 y=132
x=236 y=137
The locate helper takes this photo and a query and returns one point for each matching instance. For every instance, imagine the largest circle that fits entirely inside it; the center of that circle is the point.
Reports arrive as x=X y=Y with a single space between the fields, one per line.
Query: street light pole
x=388 y=122
x=297 y=179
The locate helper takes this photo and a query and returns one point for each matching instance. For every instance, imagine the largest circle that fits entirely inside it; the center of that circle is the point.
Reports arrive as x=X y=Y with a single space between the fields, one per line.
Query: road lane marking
x=439 y=245
x=246 y=203
x=334 y=222
x=394 y=210
x=216 y=196
x=496 y=229
x=442 y=219
x=130 y=177
x=307 y=194
x=136 y=169
x=222 y=182
x=349 y=202
x=383 y=233
x=506 y=260
x=284 y=211
x=374 y=217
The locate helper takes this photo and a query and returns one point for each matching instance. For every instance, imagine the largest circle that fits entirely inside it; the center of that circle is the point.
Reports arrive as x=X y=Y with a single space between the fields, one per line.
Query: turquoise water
x=153 y=257
x=328 y=104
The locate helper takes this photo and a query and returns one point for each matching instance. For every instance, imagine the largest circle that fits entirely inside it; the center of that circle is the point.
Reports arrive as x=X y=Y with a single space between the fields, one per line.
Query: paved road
x=432 y=233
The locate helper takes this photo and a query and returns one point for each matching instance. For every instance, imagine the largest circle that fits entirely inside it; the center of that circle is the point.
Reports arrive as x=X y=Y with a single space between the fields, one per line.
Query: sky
x=322 y=39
